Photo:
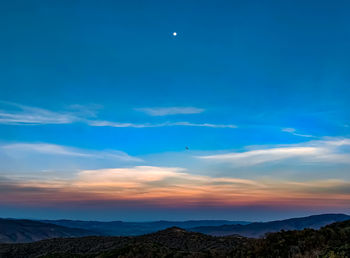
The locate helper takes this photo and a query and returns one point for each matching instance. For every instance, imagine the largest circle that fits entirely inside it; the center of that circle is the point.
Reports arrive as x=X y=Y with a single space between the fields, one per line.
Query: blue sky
x=258 y=91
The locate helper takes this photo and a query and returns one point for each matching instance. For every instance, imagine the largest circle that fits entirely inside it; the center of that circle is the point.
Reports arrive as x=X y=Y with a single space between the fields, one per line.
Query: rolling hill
x=259 y=229
x=23 y=231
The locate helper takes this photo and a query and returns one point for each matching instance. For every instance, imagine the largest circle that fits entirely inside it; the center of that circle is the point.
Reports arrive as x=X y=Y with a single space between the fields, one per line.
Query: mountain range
x=329 y=241
x=259 y=229
x=23 y=231
x=121 y=228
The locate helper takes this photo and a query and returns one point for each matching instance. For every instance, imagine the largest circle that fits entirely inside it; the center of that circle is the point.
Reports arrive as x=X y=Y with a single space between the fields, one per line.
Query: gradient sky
x=98 y=101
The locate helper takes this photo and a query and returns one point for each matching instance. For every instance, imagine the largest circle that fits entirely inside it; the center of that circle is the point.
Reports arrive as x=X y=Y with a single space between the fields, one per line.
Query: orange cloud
x=175 y=187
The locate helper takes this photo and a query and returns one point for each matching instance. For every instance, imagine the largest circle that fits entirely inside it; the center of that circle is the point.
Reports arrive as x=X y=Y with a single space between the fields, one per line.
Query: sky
x=105 y=114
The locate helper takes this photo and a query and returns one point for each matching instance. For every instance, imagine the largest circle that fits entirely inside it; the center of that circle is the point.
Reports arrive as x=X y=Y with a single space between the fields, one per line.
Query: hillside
x=258 y=229
x=166 y=242
x=23 y=231
x=329 y=241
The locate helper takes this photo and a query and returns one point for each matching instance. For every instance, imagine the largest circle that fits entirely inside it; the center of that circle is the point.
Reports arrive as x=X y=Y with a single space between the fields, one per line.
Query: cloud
x=165 y=111
x=143 y=175
x=162 y=185
x=262 y=156
x=44 y=148
x=166 y=124
x=294 y=132
x=172 y=186
x=117 y=124
x=20 y=149
x=321 y=151
x=17 y=114
x=155 y=184
x=203 y=125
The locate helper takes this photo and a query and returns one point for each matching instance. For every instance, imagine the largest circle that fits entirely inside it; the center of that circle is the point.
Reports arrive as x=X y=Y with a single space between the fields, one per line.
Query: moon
x=174 y=34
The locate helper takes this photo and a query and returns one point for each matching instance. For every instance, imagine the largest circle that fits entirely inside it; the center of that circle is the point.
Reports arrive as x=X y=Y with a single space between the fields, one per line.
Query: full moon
x=174 y=34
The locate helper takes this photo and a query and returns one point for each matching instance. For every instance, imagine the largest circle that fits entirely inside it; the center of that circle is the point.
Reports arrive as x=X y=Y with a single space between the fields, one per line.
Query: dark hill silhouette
x=258 y=229
x=330 y=241
x=165 y=242
x=22 y=231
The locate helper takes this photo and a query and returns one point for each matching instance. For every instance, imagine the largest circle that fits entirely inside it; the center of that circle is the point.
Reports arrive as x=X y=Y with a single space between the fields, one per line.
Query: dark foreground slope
x=169 y=242
x=23 y=231
x=329 y=241
x=259 y=229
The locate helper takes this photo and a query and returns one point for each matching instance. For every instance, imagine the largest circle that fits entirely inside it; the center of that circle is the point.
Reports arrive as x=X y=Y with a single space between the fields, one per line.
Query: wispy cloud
x=118 y=125
x=44 y=148
x=321 y=151
x=17 y=114
x=294 y=132
x=165 y=111
x=203 y=125
x=15 y=149
x=166 y=124
x=262 y=156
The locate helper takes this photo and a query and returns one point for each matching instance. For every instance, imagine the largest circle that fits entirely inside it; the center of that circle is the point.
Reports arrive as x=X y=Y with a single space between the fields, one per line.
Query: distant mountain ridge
x=259 y=229
x=120 y=228
x=23 y=231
